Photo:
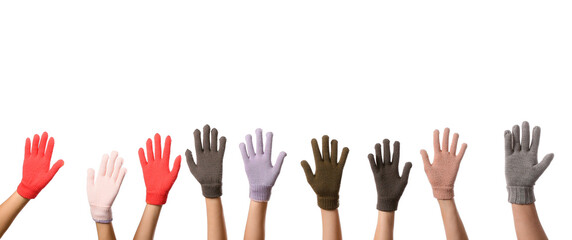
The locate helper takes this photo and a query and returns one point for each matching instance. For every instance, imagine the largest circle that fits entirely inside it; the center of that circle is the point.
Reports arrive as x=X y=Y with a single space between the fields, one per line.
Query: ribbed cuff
x=328 y=202
x=156 y=198
x=101 y=214
x=521 y=194
x=443 y=193
x=387 y=204
x=27 y=192
x=260 y=193
x=212 y=190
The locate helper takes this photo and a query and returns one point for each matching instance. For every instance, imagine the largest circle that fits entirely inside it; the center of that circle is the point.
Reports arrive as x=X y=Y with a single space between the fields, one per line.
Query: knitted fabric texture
x=158 y=178
x=443 y=171
x=208 y=168
x=390 y=185
x=521 y=163
x=36 y=172
x=101 y=192
x=327 y=179
x=258 y=166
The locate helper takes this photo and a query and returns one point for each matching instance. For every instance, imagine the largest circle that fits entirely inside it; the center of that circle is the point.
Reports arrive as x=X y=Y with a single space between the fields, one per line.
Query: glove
x=326 y=182
x=521 y=163
x=389 y=185
x=258 y=165
x=102 y=192
x=36 y=173
x=443 y=172
x=158 y=178
x=208 y=169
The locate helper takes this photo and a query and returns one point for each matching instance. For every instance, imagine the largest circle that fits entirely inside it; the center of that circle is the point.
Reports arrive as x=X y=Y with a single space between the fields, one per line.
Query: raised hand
x=443 y=171
x=208 y=168
x=158 y=178
x=521 y=163
x=36 y=173
x=258 y=165
x=390 y=185
x=101 y=192
x=327 y=179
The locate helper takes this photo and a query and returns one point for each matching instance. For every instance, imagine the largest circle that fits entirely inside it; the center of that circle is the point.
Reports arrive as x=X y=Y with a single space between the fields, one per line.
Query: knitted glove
x=208 y=169
x=102 y=192
x=158 y=178
x=36 y=173
x=326 y=182
x=521 y=163
x=443 y=172
x=389 y=185
x=258 y=165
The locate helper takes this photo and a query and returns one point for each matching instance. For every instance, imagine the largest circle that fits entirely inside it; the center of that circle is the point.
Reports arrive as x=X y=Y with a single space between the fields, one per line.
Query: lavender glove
x=258 y=165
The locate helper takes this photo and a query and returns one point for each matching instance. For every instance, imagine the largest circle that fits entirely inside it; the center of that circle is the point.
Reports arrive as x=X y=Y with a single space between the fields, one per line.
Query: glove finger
x=454 y=144
x=90 y=179
x=372 y=163
x=157 y=147
x=462 y=151
x=245 y=157
x=249 y=145
x=395 y=158
x=222 y=144
x=35 y=144
x=344 y=157
x=191 y=162
x=55 y=169
x=259 y=142
x=378 y=158
x=507 y=143
x=445 y=145
x=176 y=168
x=516 y=138
x=198 y=146
x=425 y=157
x=142 y=157
x=110 y=165
x=268 y=146
x=386 y=152
x=406 y=170
x=535 y=139
x=103 y=165
x=541 y=167
x=334 y=155
x=167 y=149
x=150 y=155
x=326 y=148
x=214 y=138
x=206 y=137
x=436 y=146
x=117 y=168
x=278 y=165
x=308 y=171
x=120 y=177
x=43 y=140
x=525 y=145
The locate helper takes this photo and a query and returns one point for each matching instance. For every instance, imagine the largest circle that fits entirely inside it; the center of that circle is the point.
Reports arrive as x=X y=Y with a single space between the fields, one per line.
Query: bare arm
x=454 y=228
x=105 y=231
x=331 y=227
x=256 y=219
x=384 y=229
x=526 y=222
x=146 y=229
x=9 y=210
x=215 y=219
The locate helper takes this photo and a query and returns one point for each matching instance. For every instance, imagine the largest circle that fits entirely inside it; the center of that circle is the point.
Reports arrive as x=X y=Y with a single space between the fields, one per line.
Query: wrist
x=387 y=204
x=521 y=194
x=27 y=192
x=212 y=190
x=156 y=198
x=443 y=193
x=101 y=214
x=329 y=202
x=260 y=193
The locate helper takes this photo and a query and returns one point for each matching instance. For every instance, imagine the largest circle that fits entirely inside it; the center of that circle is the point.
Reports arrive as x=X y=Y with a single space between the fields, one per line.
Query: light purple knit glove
x=258 y=165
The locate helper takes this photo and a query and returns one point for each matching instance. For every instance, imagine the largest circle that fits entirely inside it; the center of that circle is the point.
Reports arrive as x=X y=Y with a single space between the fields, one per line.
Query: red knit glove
x=36 y=173
x=158 y=178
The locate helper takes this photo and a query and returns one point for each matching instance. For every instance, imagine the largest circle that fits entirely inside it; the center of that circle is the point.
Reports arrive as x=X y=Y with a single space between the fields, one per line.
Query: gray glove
x=521 y=163
x=208 y=168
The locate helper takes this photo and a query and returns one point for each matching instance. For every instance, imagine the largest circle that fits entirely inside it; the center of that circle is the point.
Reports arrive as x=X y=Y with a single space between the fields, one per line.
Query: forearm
x=256 y=220
x=384 y=229
x=105 y=231
x=526 y=222
x=10 y=209
x=331 y=227
x=148 y=224
x=215 y=219
x=454 y=228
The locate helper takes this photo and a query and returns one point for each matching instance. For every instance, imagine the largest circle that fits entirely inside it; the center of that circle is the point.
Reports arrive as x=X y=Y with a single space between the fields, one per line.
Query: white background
x=106 y=75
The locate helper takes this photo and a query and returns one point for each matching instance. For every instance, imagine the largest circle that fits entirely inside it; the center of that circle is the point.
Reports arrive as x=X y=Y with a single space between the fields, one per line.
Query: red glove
x=36 y=173
x=158 y=178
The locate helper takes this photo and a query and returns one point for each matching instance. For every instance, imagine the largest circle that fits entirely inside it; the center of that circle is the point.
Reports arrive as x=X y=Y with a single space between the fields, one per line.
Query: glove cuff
x=212 y=190
x=156 y=198
x=387 y=204
x=443 y=193
x=521 y=194
x=101 y=214
x=27 y=192
x=328 y=202
x=260 y=193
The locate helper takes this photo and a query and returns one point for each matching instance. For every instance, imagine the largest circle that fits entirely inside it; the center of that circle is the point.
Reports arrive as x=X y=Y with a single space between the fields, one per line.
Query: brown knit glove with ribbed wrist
x=326 y=181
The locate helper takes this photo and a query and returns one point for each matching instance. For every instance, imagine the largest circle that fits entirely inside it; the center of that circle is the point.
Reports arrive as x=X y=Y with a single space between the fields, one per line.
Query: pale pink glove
x=443 y=172
x=103 y=191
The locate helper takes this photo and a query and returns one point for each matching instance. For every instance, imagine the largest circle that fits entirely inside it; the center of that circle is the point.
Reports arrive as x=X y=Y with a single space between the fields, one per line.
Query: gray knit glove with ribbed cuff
x=521 y=163
x=390 y=185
